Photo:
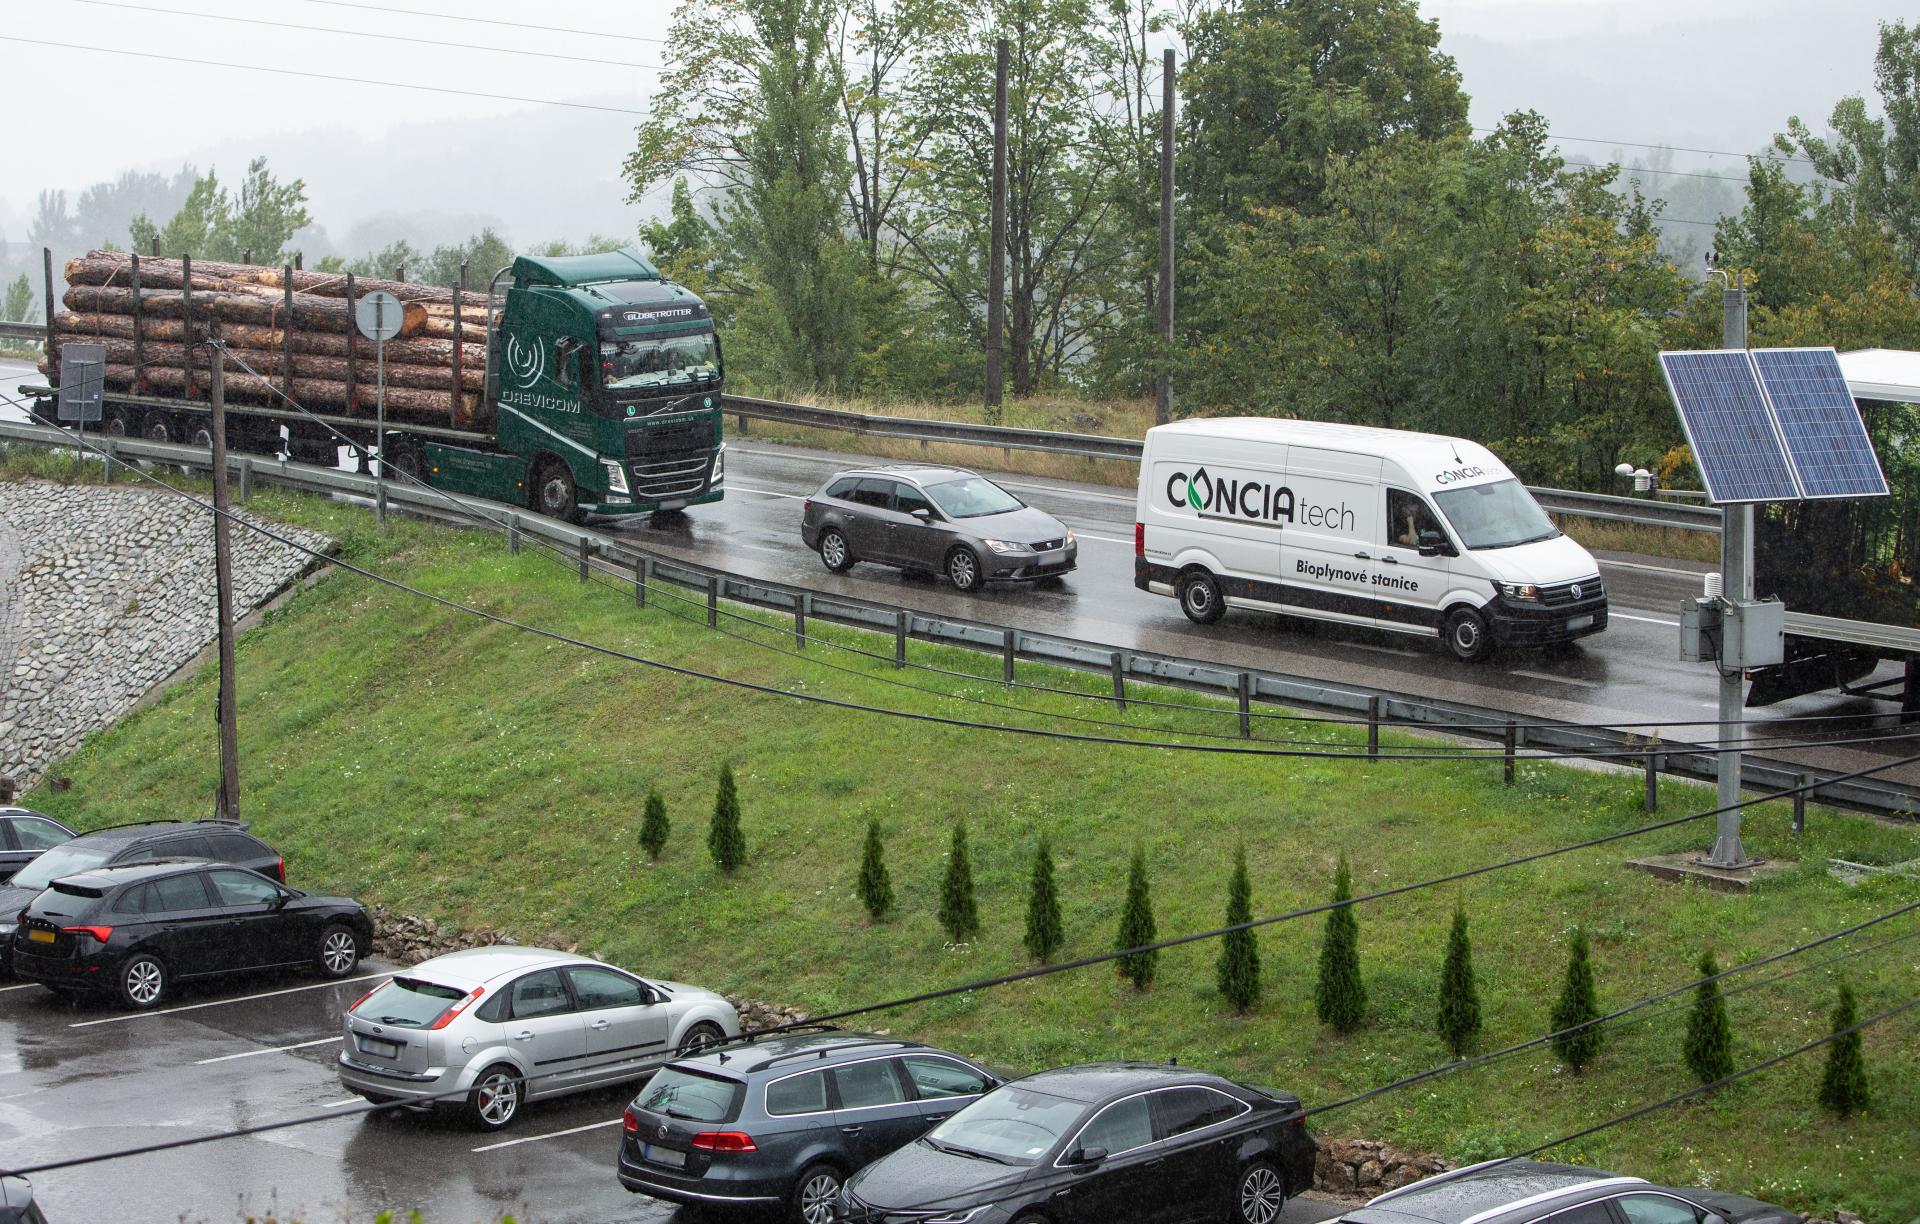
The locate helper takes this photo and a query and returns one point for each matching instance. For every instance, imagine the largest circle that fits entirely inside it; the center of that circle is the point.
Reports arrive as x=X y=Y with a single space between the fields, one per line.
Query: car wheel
x=553 y=492
x=1467 y=635
x=700 y=1036
x=963 y=570
x=339 y=951
x=143 y=981
x=814 y=1195
x=495 y=1100
x=1260 y=1195
x=1200 y=597
x=835 y=553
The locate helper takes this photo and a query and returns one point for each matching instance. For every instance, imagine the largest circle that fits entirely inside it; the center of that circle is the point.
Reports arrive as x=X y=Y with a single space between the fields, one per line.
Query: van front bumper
x=1521 y=624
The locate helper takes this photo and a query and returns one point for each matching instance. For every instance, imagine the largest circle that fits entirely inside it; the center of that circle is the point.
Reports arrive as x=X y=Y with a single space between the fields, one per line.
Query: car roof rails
x=223 y=821
x=825 y=1051
x=802 y=1027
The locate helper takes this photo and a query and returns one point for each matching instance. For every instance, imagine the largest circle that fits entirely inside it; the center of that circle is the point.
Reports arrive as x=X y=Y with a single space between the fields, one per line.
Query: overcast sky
x=1715 y=74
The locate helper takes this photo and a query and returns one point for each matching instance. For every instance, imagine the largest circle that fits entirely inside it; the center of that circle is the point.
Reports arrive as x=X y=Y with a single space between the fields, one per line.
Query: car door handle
x=600 y=1024
x=939 y=1117
x=523 y=1035
x=851 y=1130
x=1154 y=1164
x=1362 y=557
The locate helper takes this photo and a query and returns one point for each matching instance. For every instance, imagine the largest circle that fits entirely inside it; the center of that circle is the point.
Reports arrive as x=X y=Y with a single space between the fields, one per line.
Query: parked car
x=1522 y=1191
x=784 y=1121
x=938 y=519
x=24 y=834
x=217 y=841
x=16 y=1202
x=1149 y=1143
x=136 y=929
x=489 y=1029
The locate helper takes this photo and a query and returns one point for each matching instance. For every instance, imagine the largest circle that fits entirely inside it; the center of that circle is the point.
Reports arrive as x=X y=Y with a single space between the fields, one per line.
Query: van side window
x=1407 y=518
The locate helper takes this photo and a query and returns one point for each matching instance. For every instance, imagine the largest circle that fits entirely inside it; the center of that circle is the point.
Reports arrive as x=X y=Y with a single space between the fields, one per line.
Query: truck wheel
x=1200 y=597
x=553 y=493
x=1468 y=636
x=158 y=427
x=409 y=464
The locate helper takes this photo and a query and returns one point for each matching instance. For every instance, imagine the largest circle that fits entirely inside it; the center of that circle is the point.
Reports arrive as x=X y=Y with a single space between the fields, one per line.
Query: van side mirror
x=1433 y=544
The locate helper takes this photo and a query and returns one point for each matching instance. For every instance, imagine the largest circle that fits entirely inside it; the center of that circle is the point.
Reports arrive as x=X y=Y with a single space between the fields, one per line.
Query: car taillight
x=724 y=1141
x=806 y=504
x=101 y=933
x=630 y=1122
x=1139 y=539
x=447 y=1016
x=280 y=869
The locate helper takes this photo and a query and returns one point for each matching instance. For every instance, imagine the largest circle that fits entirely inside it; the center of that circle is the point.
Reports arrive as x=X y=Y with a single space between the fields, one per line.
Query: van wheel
x=1468 y=636
x=1200 y=597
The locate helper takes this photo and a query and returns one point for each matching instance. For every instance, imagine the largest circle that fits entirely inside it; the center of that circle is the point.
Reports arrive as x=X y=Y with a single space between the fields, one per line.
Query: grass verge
x=410 y=754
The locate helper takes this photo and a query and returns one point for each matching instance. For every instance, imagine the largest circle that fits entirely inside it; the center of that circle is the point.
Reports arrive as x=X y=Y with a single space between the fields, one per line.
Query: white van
x=1411 y=532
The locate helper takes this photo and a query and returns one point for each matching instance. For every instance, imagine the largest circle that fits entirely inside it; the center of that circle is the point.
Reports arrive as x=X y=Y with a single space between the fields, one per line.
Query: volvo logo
x=1575 y=590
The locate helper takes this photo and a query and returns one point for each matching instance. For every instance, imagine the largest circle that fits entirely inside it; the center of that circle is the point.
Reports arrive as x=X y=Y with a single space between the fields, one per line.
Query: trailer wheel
x=553 y=491
x=117 y=423
x=158 y=427
x=201 y=434
x=409 y=462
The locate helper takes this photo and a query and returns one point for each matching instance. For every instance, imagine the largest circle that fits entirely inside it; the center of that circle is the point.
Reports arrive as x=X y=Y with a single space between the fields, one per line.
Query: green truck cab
x=603 y=381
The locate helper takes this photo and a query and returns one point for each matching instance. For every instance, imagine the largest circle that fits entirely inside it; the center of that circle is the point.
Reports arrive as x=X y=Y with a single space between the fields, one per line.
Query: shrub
x=1459 y=993
x=653 y=826
x=1238 y=970
x=1579 y=1004
x=1045 y=932
x=1340 y=997
x=876 y=889
x=1136 y=925
x=1843 y=1087
x=1709 y=1045
x=725 y=841
x=958 y=913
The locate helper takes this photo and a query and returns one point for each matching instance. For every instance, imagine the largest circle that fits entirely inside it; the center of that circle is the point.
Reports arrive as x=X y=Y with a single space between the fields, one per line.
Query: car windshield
x=972 y=497
x=1497 y=515
x=409 y=1002
x=658 y=362
x=693 y=1095
x=57 y=862
x=1012 y=1124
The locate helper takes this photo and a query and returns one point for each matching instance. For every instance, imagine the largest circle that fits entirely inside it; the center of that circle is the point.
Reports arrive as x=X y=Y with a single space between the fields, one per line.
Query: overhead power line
x=1771 y=154
x=517 y=25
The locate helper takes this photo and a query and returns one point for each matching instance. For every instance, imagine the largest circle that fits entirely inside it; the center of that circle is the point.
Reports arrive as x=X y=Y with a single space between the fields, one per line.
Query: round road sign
x=378 y=315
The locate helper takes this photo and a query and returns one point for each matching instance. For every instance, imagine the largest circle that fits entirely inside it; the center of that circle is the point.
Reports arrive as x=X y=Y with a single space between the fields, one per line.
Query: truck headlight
x=1004 y=546
x=1519 y=590
x=720 y=465
x=616 y=477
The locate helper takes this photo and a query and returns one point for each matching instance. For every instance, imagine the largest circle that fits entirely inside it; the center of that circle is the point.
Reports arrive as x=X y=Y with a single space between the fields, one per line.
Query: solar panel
x=1826 y=441
x=1735 y=441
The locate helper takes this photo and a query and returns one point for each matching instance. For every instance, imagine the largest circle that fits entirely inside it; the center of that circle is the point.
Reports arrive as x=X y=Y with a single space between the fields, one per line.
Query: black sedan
x=1148 y=1143
x=133 y=931
x=1527 y=1191
x=24 y=833
x=937 y=520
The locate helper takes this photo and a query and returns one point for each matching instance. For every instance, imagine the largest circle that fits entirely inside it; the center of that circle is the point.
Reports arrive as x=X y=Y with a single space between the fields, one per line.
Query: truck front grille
x=676 y=476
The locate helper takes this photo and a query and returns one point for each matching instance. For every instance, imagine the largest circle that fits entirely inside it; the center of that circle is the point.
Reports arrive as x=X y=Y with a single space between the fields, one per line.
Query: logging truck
x=578 y=385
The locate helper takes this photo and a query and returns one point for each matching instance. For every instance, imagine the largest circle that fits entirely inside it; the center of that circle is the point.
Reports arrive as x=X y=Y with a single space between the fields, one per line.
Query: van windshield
x=1497 y=515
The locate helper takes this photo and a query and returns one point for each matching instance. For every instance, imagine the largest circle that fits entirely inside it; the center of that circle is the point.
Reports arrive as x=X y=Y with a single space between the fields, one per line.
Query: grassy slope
x=412 y=755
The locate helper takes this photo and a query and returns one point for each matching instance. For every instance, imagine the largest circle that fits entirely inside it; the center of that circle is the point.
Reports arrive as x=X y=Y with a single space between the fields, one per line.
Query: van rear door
x=1329 y=550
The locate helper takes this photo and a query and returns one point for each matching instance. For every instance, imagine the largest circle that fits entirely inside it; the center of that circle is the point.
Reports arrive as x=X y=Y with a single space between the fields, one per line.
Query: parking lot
x=77 y=1079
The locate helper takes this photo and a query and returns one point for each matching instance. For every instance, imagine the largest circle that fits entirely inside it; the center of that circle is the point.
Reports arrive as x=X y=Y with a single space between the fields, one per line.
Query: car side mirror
x=923 y=514
x=280 y=900
x=1087 y=1156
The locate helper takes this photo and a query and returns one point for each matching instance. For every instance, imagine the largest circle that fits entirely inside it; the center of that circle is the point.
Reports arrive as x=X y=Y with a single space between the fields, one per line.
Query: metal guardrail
x=1246 y=686
x=36 y=332
x=1639 y=511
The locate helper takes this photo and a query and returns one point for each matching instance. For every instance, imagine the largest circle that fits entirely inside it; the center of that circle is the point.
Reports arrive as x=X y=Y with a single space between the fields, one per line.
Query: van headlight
x=616 y=477
x=1526 y=591
x=1004 y=546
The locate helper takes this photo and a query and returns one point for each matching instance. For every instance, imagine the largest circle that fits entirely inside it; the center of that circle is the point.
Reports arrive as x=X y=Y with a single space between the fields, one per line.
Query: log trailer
x=580 y=385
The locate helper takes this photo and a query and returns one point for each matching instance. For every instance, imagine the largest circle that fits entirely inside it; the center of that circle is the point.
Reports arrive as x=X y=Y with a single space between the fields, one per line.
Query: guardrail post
x=585 y=554
x=1652 y=801
x=106 y=460
x=1009 y=646
x=1243 y=695
x=1373 y=728
x=1117 y=664
x=713 y=601
x=900 y=620
x=1509 y=740
x=1800 y=805
x=513 y=533
x=642 y=575
x=743 y=423
x=246 y=480
x=801 y=606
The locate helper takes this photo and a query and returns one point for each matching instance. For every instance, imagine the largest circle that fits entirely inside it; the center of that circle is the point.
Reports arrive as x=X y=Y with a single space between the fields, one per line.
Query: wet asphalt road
x=77 y=1079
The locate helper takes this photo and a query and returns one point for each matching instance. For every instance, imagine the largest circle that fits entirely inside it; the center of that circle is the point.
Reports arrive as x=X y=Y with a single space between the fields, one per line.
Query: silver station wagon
x=489 y=1029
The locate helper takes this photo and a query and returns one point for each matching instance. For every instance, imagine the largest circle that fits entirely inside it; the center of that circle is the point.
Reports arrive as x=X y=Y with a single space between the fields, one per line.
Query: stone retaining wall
x=105 y=592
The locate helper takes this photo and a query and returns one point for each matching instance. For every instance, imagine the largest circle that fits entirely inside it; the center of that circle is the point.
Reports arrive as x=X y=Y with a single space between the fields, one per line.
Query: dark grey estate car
x=938 y=519
x=783 y=1122
x=1526 y=1191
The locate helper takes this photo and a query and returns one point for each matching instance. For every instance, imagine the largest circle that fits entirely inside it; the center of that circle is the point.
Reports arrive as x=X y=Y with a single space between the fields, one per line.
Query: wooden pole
x=228 y=804
x=997 y=243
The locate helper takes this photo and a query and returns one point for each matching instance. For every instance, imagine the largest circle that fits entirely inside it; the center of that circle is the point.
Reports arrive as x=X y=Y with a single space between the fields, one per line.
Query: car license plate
x=39 y=936
x=384 y=1049
x=1578 y=623
x=663 y=1156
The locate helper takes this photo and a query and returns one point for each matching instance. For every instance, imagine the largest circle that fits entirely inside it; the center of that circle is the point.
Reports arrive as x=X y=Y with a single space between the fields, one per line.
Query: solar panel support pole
x=1736 y=571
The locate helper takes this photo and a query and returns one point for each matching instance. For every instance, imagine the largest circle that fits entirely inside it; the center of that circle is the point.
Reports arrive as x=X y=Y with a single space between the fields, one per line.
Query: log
x=314 y=394
x=309 y=313
x=272 y=360
x=154 y=274
x=420 y=350
x=321 y=284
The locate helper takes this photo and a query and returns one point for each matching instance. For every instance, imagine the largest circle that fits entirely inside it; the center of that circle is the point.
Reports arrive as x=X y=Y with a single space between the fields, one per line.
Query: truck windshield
x=1497 y=515
x=659 y=361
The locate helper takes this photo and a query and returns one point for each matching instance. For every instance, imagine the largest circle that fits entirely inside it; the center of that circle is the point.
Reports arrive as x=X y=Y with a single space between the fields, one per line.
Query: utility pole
x=1163 y=384
x=1736 y=576
x=997 y=244
x=228 y=805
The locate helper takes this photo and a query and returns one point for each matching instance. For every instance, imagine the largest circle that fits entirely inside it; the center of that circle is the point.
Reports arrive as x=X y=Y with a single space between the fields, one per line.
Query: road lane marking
x=491 y=1147
x=265 y=994
x=21 y=986
x=1645 y=620
x=1552 y=679
x=345 y=1103
x=298 y=1045
x=768 y=492
x=1653 y=569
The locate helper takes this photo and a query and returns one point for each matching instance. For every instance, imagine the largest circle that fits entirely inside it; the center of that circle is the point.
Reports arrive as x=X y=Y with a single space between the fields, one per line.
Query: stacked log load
x=293 y=329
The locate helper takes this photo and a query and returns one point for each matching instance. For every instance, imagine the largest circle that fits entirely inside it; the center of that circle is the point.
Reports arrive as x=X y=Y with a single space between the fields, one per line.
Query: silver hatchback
x=489 y=1029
